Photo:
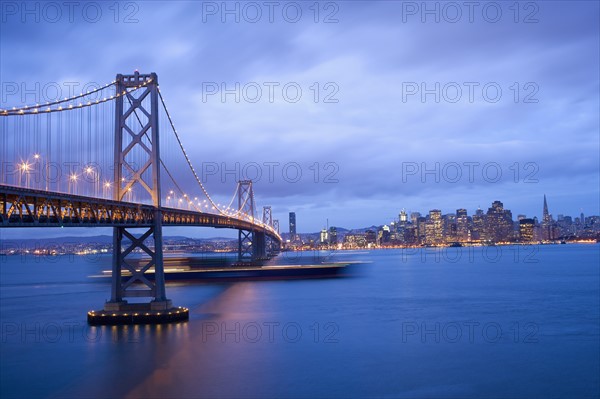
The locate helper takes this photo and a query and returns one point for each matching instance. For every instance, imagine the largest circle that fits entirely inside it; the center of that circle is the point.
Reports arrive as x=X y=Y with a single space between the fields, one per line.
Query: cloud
x=370 y=58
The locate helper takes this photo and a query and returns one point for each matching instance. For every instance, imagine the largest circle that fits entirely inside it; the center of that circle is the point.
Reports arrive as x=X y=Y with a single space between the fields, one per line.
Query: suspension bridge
x=97 y=160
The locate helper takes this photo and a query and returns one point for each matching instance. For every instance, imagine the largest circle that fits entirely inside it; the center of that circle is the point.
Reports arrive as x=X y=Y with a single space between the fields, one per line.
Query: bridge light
x=36 y=156
x=25 y=166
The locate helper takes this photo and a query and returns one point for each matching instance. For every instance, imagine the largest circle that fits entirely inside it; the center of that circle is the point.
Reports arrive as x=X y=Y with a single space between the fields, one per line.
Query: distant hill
x=101 y=239
x=364 y=229
x=107 y=239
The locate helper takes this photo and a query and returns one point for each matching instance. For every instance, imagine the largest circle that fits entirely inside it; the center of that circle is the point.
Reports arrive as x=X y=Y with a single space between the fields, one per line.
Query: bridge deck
x=22 y=207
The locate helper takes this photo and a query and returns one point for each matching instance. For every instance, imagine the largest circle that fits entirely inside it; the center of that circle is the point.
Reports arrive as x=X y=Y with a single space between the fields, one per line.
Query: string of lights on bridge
x=47 y=108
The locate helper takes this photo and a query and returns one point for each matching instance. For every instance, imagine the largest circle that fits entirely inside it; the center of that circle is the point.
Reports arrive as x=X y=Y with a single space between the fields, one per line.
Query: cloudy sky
x=348 y=110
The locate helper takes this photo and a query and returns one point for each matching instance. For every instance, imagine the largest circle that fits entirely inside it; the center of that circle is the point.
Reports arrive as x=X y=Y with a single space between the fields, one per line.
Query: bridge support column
x=245 y=246
x=130 y=279
x=252 y=246
x=274 y=245
x=259 y=246
x=273 y=248
x=135 y=269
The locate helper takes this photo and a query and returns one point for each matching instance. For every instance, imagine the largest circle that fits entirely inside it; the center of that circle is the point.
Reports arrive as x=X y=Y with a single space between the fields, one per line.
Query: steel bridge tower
x=275 y=247
x=251 y=243
x=246 y=238
x=267 y=219
x=137 y=137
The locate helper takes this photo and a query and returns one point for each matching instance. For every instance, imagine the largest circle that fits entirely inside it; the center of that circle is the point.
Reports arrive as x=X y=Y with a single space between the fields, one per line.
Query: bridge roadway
x=23 y=207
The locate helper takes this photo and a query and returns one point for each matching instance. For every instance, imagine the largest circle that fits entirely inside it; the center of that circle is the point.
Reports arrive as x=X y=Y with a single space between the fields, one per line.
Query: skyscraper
x=545 y=215
x=414 y=216
x=324 y=237
x=479 y=226
x=462 y=225
x=499 y=223
x=403 y=217
x=461 y=212
x=292 y=225
x=526 y=227
x=333 y=235
x=547 y=225
x=434 y=228
x=421 y=229
x=449 y=227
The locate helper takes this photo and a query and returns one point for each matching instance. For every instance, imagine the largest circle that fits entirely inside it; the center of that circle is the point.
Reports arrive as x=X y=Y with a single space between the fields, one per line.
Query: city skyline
x=546 y=216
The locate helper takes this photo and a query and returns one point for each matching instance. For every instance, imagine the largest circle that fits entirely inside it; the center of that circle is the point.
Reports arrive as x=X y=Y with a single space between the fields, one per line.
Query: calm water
x=500 y=322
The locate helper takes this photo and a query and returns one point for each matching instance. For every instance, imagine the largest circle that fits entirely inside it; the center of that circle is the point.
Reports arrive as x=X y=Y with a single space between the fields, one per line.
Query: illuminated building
x=478 y=233
x=403 y=217
x=434 y=230
x=449 y=227
x=292 y=225
x=333 y=239
x=548 y=227
x=324 y=236
x=526 y=229
x=462 y=225
x=370 y=237
x=499 y=223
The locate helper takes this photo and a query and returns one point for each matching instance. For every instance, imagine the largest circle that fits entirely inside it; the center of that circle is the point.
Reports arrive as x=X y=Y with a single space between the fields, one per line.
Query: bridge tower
x=246 y=238
x=137 y=167
x=267 y=219
x=251 y=243
x=275 y=247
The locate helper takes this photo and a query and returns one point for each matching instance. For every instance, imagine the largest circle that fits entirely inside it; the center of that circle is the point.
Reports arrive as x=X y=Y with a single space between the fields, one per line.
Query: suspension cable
x=21 y=110
x=185 y=154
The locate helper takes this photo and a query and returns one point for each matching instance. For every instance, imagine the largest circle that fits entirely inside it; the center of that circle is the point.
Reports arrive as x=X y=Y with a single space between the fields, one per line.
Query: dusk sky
x=362 y=115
